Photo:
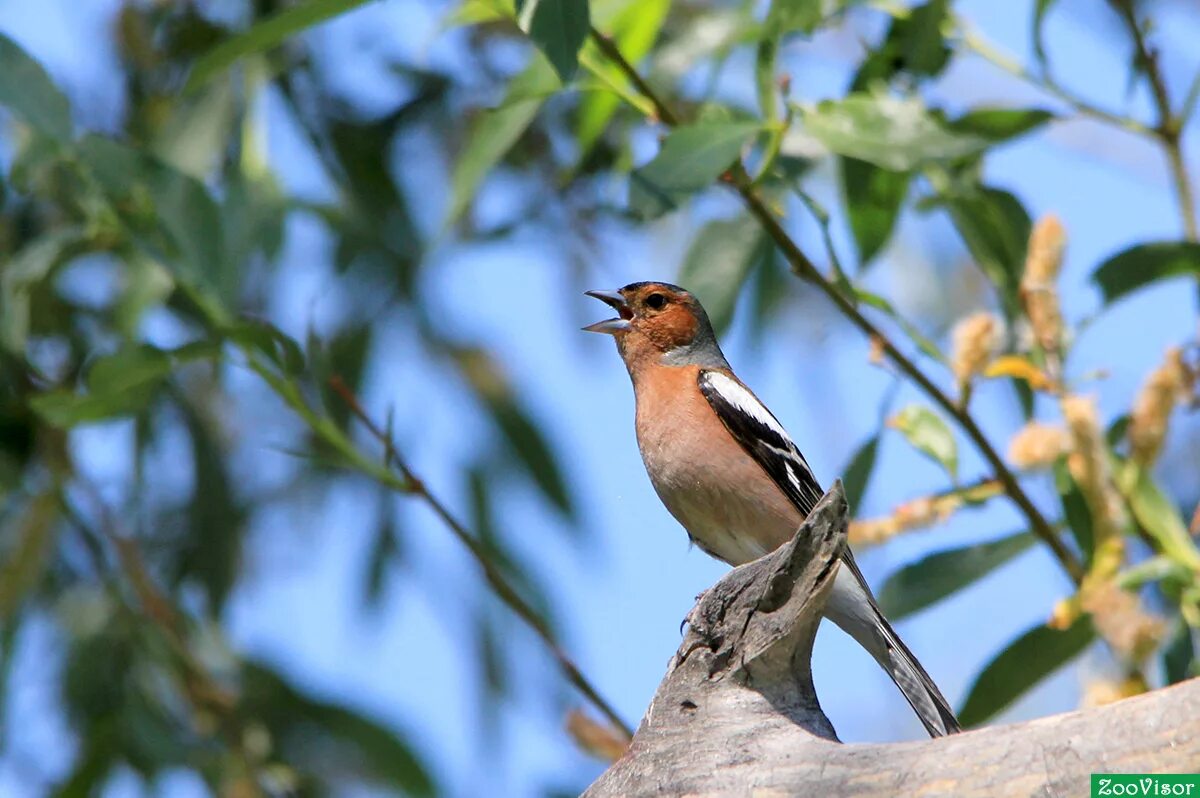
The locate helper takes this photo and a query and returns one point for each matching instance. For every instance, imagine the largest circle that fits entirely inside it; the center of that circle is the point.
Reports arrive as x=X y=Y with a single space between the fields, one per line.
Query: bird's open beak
x=611 y=326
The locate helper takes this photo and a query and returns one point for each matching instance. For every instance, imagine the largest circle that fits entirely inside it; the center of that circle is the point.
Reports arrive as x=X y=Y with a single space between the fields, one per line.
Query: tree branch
x=737 y=714
x=1169 y=129
x=985 y=50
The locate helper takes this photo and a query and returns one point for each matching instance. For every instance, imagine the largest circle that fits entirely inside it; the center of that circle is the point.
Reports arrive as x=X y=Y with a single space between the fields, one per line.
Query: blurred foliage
x=179 y=205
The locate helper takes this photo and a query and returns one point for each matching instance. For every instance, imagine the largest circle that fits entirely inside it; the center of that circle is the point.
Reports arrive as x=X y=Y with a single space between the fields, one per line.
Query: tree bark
x=737 y=714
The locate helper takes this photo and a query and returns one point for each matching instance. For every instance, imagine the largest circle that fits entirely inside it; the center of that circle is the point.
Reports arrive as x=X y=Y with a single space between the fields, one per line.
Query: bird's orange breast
x=718 y=492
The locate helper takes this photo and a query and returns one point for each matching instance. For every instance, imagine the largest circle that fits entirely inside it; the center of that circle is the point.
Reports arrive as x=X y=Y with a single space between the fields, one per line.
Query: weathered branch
x=737 y=714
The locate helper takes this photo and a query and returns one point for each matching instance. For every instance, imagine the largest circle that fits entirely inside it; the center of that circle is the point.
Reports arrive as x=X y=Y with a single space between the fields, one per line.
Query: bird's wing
x=762 y=437
x=850 y=605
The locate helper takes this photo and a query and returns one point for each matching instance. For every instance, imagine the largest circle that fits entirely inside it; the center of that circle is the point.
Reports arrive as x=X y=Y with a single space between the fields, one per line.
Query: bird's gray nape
x=703 y=351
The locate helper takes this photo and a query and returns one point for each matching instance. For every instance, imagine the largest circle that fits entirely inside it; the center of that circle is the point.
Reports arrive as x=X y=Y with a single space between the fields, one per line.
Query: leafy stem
x=1169 y=129
x=993 y=55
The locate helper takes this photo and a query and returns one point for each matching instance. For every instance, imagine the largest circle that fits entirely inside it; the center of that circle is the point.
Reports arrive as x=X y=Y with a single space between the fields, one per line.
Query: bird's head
x=659 y=323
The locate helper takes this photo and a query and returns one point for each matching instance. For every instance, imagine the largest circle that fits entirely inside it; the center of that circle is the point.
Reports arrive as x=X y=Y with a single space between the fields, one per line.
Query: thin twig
x=985 y=50
x=613 y=53
x=416 y=487
x=1170 y=127
x=804 y=268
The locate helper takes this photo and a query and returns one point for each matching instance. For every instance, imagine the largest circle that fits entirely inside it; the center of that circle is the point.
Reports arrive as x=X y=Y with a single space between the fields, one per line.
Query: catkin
x=974 y=340
x=1163 y=389
x=1090 y=467
x=1099 y=692
x=1038 y=445
x=1039 y=283
x=1120 y=619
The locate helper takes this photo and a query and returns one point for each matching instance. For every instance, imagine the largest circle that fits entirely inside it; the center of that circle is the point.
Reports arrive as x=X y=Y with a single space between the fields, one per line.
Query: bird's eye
x=656 y=301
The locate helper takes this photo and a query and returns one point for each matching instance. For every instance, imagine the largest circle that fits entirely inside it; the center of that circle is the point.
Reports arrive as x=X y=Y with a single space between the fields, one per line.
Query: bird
x=728 y=472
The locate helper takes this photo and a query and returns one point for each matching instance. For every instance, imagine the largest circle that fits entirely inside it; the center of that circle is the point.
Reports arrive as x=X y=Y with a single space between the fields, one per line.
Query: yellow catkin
x=974 y=340
x=1165 y=387
x=1120 y=619
x=872 y=531
x=1039 y=289
x=1065 y=612
x=1100 y=692
x=917 y=513
x=1090 y=467
x=1038 y=445
x=1118 y=614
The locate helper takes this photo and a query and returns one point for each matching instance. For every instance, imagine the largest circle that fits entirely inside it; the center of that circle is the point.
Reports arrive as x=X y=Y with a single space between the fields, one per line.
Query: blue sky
x=623 y=592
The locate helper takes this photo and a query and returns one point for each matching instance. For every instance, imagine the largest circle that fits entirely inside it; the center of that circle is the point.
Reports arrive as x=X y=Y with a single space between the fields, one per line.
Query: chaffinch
x=728 y=472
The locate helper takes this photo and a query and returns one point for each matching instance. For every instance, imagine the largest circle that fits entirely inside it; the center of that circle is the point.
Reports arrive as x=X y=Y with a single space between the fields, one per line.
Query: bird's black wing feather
x=762 y=437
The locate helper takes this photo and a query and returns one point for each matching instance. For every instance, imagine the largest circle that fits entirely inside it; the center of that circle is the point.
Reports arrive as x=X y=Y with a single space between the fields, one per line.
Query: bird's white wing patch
x=737 y=395
x=762 y=437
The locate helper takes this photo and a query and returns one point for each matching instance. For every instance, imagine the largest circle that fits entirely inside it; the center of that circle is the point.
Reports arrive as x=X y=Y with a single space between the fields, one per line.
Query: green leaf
x=691 y=158
x=210 y=554
x=558 y=28
x=23 y=272
x=1039 y=45
x=67 y=409
x=633 y=29
x=1000 y=124
x=1023 y=663
x=1138 y=266
x=1075 y=510
x=928 y=434
x=269 y=341
x=474 y=12
x=328 y=739
x=344 y=355
x=195 y=135
x=929 y=580
x=874 y=197
x=385 y=551
x=913 y=46
x=118 y=385
x=483 y=524
x=28 y=552
x=893 y=133
x=1117 y=430
x=30 y=94
x=171 y=213
x=495 y=132
x=857 y=474
x=995 y=228
x=128 y=371
x=1179 y=655
x=1159 y=568
x=264 y=35
x=524 y=438
x=924 y=45
x=718 y=262
x=786 y=16
x=1158 y=516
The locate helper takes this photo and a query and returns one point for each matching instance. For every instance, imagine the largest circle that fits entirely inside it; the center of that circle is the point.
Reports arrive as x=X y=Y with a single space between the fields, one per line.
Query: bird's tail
x=852 y=607
x=916 y=685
